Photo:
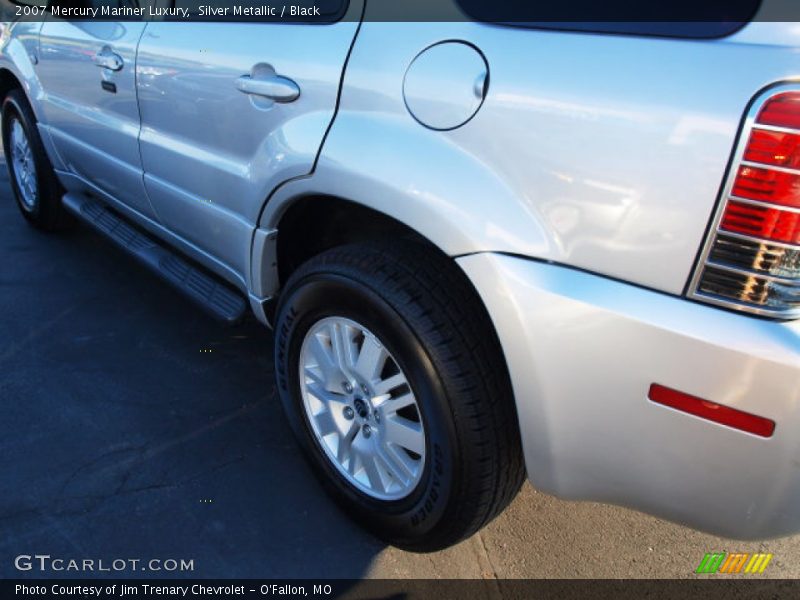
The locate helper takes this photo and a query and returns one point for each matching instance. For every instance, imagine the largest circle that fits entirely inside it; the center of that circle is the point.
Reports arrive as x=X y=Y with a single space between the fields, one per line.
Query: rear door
x=229 y=111
x=87 y=70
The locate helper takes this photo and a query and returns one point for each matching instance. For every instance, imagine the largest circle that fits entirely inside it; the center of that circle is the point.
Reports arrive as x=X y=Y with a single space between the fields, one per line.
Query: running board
x=206 y=290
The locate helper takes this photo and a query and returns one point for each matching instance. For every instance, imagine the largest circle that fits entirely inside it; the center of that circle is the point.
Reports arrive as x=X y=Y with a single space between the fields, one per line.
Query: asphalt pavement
x=136 y=427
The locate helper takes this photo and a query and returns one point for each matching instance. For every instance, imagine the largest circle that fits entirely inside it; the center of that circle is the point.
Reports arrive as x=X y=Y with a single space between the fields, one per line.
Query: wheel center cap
x=361 y=408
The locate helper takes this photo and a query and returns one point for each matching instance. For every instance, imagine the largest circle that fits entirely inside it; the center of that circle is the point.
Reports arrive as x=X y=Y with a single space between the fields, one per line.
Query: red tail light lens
x=774 y=148
x=777 y=187
x=751 y=260
x=762 y=221
x=782 y=110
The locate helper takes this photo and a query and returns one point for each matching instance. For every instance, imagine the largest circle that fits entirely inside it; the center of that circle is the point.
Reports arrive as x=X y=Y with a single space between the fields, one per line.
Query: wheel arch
x=314 y=223
x=8 y=81
x=17 y=67
x=423 y=186
x=310 y=223
x=17 y=71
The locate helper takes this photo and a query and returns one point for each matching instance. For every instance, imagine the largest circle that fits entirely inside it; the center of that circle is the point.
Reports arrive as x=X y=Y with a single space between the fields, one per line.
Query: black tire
x=432 y=322
x=46 y=212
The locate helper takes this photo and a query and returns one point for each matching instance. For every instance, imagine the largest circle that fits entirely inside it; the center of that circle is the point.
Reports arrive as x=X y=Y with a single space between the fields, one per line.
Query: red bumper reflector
x=711 y=411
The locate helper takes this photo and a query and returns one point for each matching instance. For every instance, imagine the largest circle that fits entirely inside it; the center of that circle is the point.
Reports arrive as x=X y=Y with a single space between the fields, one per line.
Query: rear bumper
x=583 y=351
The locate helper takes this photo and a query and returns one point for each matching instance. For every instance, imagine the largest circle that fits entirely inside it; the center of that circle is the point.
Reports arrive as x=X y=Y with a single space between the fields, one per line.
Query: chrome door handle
x=107 y=59
x=274 y=87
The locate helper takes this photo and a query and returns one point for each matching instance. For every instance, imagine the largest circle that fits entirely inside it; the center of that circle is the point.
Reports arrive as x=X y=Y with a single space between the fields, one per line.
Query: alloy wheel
x=361 y=409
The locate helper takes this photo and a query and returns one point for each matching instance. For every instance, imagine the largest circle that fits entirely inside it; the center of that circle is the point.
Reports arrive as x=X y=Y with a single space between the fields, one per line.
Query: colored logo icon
x=742 y=562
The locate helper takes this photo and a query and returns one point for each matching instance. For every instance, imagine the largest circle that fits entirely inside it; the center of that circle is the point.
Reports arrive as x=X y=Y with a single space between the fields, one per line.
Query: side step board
x=210 y=293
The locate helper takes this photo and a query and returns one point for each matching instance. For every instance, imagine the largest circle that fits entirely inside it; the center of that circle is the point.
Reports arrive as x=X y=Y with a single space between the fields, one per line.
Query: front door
x=229 y=111
x=88 y=74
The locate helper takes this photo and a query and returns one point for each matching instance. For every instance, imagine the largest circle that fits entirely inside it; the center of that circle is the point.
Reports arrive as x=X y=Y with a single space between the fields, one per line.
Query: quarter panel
x=583 y=350
x=607 y=152
x=421 y=179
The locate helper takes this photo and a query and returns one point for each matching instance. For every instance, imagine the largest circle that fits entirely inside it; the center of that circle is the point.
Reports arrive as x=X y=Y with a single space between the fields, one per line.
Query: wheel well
x=314 y=224
x=8 y=82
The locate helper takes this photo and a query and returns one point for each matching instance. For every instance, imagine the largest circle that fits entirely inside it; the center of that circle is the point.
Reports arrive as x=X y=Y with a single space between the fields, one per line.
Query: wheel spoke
x=317 y=387
x=326 y=424
x=373 y=472
x=320 y=353
x=342 y=344
x=405 y=434
x=392 y=405
x=353 y=465
x=385 y=386
x=371 y=359
x=397 y=462
x=319 y=392
x=331 y=372
x=345 y=449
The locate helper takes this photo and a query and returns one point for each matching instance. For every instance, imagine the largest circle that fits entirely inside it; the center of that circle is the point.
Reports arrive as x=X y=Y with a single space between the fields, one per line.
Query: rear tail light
x=751 y=260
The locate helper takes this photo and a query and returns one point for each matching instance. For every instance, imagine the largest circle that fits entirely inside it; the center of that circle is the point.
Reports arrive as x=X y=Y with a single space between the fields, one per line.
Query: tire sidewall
x=325 y=294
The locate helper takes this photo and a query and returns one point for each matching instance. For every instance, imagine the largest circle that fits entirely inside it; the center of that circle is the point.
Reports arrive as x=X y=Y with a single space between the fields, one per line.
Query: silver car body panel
x=213 y=154
x=96 y=133
x=19 y=51
x=614 y=170
x=583 y=350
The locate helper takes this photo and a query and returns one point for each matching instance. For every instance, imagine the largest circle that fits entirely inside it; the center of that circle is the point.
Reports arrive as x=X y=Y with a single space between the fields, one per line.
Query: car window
x=676 y=18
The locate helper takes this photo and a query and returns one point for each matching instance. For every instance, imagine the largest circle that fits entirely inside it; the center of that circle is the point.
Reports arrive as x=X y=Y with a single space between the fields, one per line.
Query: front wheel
x=394 y=382
x=33 y=180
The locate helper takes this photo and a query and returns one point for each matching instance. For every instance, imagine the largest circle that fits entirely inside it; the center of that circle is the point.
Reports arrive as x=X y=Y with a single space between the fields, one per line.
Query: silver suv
x=484 y=249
